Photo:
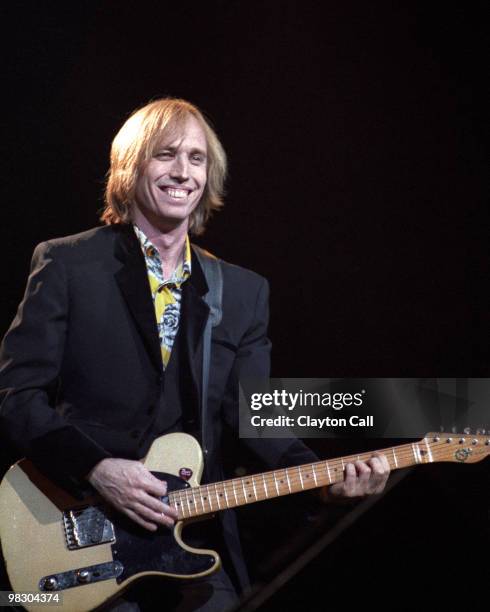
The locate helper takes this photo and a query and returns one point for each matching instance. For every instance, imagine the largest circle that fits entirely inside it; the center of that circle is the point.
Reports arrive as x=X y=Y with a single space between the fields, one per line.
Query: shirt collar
x=154 y=262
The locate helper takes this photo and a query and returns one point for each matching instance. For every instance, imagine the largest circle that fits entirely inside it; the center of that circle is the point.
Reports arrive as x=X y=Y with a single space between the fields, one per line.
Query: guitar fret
x=226 y=496
x=217 y=495
x=201 y=500
x=210 y=501
x=314 y=474
x=255 y=490
x=328 y=472
x=301 y=478
x=275 y=481
x=191 y=496
x=182 y=507
x=244 y=491
x=265 y=486
x=429 y=450
x=174 y=500
x=287 y=477
x=234 y=492
x=394 y=457
x=416 y=458
x=420 y=453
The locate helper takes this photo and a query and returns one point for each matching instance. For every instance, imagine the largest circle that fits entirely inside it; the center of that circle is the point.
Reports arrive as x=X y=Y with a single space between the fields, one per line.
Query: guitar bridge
x=87 y=526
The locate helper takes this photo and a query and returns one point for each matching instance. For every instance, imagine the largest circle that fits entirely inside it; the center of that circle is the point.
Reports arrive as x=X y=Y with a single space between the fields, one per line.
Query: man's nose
x=180 y=168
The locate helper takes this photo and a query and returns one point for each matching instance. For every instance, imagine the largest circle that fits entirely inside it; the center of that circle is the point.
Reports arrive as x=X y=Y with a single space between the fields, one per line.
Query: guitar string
x=334 y=463
x=402 y=454
x=203 y=493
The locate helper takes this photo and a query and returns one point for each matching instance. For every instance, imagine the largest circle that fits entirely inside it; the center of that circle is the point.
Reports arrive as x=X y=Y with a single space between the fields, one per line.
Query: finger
x=350 y=480
x=387 y=470
x=140 y=521
x=381 y=471
x=364 y=475
x=154 y=503
x=157 y=505
x=384 y=461
x=381 y=466
x=376 y=466
x=363 y=471
x=350 y=473
x=149 y=515
x=154 y=486
x=378 y=477
x=170 y=511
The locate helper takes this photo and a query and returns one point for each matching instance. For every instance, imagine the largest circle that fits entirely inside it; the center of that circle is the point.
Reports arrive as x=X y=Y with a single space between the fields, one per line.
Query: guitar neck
x=210 y=498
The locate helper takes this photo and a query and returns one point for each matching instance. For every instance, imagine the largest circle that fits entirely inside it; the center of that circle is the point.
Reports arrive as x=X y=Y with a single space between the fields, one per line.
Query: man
x=106 y=352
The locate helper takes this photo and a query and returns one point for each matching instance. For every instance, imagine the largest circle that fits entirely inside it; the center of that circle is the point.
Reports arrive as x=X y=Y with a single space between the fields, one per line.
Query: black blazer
x=80 y=367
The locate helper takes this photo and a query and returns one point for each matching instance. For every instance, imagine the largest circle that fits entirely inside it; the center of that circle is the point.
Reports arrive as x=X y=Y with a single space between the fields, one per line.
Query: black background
x=357 y=145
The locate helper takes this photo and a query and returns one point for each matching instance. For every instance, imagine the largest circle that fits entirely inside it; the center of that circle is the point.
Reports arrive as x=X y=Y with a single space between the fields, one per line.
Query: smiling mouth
x=176 y=193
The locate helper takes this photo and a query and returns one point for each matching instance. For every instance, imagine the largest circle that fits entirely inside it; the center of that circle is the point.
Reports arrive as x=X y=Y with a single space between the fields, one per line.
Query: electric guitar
x=55 y=545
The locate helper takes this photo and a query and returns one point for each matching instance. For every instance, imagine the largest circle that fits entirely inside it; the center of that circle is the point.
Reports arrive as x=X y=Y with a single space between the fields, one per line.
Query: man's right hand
x=133 y=490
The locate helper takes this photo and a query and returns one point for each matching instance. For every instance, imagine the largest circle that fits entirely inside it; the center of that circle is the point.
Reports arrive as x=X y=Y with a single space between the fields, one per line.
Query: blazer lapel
x=194 y=314
x=133 y=282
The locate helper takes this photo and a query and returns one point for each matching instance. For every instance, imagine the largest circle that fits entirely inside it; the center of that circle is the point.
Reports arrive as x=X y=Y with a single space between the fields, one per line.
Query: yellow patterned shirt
x=166 y=294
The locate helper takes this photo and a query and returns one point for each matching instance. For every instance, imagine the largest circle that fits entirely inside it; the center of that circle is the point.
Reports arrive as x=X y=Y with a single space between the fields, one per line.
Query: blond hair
x=135 y=144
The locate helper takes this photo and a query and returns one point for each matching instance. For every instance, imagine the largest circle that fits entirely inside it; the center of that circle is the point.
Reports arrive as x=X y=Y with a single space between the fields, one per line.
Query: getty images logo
x=290 y=401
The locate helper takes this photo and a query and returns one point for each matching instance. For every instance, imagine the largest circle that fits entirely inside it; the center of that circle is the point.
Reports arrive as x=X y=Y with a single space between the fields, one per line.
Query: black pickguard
x=140 y=550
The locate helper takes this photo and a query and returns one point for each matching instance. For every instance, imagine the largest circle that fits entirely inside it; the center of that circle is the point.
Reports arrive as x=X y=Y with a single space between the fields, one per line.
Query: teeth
x=176 y=193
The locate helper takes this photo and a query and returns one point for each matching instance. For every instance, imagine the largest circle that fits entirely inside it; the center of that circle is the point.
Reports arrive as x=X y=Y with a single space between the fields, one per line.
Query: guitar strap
x=211 y=267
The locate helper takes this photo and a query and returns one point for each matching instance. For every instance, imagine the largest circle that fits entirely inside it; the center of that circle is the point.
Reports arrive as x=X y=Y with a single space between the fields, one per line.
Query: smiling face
x=170 y=185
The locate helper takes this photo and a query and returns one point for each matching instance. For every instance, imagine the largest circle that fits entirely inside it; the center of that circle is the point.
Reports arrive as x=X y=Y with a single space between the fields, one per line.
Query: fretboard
x=210 y=498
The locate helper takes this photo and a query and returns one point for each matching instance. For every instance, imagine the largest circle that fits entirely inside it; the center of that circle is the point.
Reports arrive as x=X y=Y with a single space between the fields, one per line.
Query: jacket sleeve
x=31 y=358
x=253 y=362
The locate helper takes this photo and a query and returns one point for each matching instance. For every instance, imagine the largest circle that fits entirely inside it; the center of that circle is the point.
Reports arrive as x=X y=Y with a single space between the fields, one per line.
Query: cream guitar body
x=35 y=535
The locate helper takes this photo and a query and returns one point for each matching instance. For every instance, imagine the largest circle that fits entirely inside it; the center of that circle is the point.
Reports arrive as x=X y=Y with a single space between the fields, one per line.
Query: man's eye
x=164 y=155
x=197 y=158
